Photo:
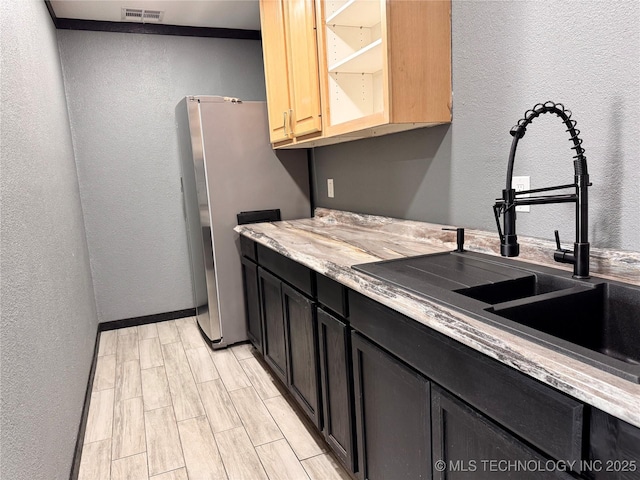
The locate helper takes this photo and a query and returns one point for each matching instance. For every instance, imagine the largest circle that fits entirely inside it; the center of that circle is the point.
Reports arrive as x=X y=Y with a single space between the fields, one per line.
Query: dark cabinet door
x=614 y=448
x=393 y=416
x=275 y=350
x=474 y=448
x=252 y=302
x=300 y=321
x=337 y=386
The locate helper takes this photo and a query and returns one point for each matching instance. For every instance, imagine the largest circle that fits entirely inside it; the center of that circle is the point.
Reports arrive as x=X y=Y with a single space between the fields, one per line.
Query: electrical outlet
x=330 y=191
x=520 y=184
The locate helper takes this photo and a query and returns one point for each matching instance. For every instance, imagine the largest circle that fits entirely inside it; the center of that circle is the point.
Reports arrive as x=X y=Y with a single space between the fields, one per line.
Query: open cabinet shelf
x=356 y=13
x=365 y=60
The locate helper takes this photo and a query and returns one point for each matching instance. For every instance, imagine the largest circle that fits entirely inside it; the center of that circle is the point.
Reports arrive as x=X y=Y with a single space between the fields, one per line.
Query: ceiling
x=240 y=14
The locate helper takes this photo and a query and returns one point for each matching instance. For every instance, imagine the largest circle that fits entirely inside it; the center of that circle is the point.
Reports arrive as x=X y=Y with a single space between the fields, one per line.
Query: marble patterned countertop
x=333 y=241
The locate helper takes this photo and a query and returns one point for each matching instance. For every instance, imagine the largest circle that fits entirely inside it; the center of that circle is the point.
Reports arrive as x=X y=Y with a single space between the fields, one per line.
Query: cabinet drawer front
x=473 y=448
x=292 y=272
x=544 y=417
x=332 y=294
x=248 y=248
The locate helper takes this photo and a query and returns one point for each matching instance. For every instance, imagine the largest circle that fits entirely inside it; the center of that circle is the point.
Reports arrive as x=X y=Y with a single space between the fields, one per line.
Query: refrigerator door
x=242 y=173
x=198 y=221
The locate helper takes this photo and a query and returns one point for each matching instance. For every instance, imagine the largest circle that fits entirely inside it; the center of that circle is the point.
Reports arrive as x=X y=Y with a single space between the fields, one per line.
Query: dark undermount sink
x=593 y=320
x=521 y=287
x=604 y=319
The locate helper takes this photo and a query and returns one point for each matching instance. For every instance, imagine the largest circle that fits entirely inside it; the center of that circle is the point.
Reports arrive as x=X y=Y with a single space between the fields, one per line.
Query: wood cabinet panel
x=303 y=54
x=291 y=68
x=300 y=321
x=614 y=448
x=252 y=302
x=474 y=448
x=275 y=351
x=393 y=416
x=292 y=272
x=276 y=68
x=337 y=386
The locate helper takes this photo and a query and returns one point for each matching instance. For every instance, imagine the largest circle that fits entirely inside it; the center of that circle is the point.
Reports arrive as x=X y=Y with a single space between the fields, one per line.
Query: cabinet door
x=276 y=68
x=252 y=302
x=300 y=321
x=303 y=66
x=393 y=416
x=274 y=345
x=337 y=386
x=474 y=448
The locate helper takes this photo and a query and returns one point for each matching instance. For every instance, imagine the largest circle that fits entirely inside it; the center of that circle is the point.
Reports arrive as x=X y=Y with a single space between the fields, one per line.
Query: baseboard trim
x=77 y=454
x=144 y=320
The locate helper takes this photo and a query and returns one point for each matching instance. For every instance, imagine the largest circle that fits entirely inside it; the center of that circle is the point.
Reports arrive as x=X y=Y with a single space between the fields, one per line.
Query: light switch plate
x=330 y=191
x=520 y=184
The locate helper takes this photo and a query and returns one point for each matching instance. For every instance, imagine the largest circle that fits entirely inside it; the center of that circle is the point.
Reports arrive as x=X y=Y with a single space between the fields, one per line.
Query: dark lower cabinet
x=397 y=400
x=337 y=386
x=275 y=351
x=468 y=446
x=300 y=322
x=614 y=452
x=252 y=302
x=393 y=416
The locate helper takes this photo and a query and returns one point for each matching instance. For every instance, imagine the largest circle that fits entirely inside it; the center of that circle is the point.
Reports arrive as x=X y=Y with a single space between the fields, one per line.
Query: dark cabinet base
x=393 y=416
x=337 y=386
x=467 y=446
x=252 y=302
x=275 y=351
x=398 y=400
x=300 y=321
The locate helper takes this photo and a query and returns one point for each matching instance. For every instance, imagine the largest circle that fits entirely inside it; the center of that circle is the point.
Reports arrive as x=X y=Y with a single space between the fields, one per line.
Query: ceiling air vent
x=140 y=15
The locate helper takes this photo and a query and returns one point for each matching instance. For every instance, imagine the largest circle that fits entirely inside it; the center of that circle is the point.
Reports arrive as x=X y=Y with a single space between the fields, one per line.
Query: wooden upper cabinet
x=276 y=68
x=291 y=68
x=305 y=94
x=340 y=70
x=384 y=65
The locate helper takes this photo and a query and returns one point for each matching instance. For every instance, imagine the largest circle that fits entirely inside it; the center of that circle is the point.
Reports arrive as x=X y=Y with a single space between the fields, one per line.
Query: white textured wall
x=507 y=56
x=122 y=90
x=48 y=324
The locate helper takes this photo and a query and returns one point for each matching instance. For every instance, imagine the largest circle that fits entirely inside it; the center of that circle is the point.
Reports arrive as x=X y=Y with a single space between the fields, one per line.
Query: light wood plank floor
x=165 y=406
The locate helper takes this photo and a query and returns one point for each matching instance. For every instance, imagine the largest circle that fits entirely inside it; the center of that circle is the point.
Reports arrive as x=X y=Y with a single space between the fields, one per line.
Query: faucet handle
x=562 y=255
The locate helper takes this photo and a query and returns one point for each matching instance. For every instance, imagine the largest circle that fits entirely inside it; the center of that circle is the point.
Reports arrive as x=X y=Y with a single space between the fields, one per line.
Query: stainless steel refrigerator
x=228 y=166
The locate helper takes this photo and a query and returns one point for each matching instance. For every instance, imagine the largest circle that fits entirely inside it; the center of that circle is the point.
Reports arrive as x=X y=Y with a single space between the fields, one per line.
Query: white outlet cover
x=520 y=184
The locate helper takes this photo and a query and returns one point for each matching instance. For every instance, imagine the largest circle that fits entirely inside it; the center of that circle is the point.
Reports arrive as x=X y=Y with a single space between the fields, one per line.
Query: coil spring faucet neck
x=506 y=206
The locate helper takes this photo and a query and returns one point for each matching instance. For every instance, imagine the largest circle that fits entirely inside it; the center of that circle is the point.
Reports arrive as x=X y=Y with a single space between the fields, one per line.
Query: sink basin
x=471 y=275
x=604 y=319
x=593 y=320
x=522 y=287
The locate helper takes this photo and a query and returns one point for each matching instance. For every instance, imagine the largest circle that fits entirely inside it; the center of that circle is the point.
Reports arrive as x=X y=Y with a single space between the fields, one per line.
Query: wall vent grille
x=141 y=15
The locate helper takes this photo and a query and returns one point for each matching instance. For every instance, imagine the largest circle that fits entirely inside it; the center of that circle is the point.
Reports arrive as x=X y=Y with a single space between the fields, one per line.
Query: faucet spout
x=506 y=206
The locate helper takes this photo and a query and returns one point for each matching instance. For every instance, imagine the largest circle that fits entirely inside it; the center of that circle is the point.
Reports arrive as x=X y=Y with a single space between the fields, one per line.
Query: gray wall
x=48 y=325
x=122 y=90
x=508 y=56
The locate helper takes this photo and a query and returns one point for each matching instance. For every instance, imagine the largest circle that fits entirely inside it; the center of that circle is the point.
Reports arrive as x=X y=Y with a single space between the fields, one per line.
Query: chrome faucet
x=506 y=206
